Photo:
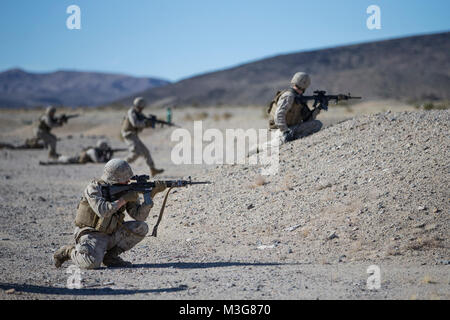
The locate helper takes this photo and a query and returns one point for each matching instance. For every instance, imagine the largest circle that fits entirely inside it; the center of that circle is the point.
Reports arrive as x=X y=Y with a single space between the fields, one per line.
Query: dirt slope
x=372 y=190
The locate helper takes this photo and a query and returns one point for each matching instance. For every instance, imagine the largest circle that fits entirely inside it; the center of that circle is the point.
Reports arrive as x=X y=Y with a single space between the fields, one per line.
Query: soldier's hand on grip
x=131 y=196
x=160 y=186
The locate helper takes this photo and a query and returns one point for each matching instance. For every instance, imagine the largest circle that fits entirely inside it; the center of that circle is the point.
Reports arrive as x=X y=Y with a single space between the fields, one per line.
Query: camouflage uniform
x=92 y=245
x=132 y=125
x=289 y=115
x=42 y=131
x=288 y=118
x=98 y=154
x=101 y=234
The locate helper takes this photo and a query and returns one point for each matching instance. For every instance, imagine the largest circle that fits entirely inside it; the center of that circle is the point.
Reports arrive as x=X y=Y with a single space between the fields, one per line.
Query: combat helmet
x=50 y=110
x=139 y=102
x=301 y=80
x=117 y=171
x=102 y=144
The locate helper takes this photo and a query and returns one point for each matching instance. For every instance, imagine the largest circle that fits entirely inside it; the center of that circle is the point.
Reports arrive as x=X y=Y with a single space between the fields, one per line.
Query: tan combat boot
x=112 y=259
x=155 y=171
x=53 y=155
x=62 y=255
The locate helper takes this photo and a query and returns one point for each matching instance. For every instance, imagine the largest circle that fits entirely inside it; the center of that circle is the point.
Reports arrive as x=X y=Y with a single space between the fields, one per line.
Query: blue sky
x=176 y=39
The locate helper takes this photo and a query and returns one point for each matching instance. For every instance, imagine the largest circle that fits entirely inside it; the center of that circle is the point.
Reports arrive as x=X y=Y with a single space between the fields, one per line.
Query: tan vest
x=128 y=127
x=86 y=217
x=294 y=116
x=42 y=125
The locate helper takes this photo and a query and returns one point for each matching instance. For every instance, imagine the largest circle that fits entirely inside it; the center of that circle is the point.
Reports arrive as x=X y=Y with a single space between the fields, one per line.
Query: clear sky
x=175 y=39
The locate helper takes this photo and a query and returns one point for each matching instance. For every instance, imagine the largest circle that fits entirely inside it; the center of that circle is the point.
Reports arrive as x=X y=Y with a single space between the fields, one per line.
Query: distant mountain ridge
x=19 y=88
x=410 y=68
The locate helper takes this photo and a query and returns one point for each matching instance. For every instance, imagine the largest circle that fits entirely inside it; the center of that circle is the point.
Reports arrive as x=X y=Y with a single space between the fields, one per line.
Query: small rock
x=263 y=246
x=42 y=199
x=421 y=208
x=292 y=228
x=332 y=235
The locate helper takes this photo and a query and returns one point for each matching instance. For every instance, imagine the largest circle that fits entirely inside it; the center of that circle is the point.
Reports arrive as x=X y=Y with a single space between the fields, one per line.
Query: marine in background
x=133 y=124
x=289 y=118
x=43 y=129
x=30 y=143
x=101 y=153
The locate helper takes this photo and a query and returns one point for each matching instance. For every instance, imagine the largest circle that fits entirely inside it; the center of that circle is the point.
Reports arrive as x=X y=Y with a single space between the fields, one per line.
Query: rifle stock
x=321 y=99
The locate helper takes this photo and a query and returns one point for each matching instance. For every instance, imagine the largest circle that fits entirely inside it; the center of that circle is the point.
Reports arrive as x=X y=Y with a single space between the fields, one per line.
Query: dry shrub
x=258 y=182
x=420 y=244
x=427 y=279
x=224 y=116
x=227 y=116
x=201 y=116
x=196 y=116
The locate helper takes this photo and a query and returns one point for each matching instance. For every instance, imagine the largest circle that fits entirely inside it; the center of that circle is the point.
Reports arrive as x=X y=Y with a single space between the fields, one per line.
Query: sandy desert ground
x=371 y=188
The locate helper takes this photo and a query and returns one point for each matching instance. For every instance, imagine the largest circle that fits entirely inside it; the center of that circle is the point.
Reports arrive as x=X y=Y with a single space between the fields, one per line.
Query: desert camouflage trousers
x=49 y=141
x=92 y=246
x=137 y=149
x=300 y=131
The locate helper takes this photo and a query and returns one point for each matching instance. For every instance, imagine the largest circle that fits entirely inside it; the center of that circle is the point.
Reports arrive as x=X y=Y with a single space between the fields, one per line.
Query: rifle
x=109 y=152
x=321 y=99
x=52 y=163
x=152 y=120
x=65 y=117
x=142 y=185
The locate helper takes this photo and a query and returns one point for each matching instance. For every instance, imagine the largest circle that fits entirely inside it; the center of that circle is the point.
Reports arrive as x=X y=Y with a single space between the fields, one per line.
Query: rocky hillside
x=370 y=190
x=374 y=188
x=19 y=88
x=412 y=68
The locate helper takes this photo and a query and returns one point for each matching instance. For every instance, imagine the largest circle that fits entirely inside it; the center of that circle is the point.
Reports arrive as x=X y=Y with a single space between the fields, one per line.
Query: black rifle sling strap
x=161 y=212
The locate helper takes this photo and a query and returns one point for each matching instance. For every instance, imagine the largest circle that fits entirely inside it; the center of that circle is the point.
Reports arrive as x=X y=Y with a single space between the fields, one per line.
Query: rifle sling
x=155 y=228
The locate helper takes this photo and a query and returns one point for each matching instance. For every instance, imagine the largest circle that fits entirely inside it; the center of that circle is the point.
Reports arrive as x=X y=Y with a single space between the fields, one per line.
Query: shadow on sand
x=205 y=265
x=26 y=288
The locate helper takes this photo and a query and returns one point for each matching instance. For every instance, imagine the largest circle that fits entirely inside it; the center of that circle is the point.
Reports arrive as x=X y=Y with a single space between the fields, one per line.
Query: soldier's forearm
x=140 y=212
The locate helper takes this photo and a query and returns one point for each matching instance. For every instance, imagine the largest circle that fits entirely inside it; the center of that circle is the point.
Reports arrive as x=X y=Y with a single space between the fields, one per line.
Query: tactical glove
x=160 y=186
x=288 y=135
x=131 y=196
x=315 y=113
x=150 y=122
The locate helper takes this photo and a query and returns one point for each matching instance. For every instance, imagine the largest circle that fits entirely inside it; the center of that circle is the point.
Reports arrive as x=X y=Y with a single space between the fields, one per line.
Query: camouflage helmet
x=50 y=110
x=139 y=102
x=301 y=80
x=102 y=144
x=117 y=171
